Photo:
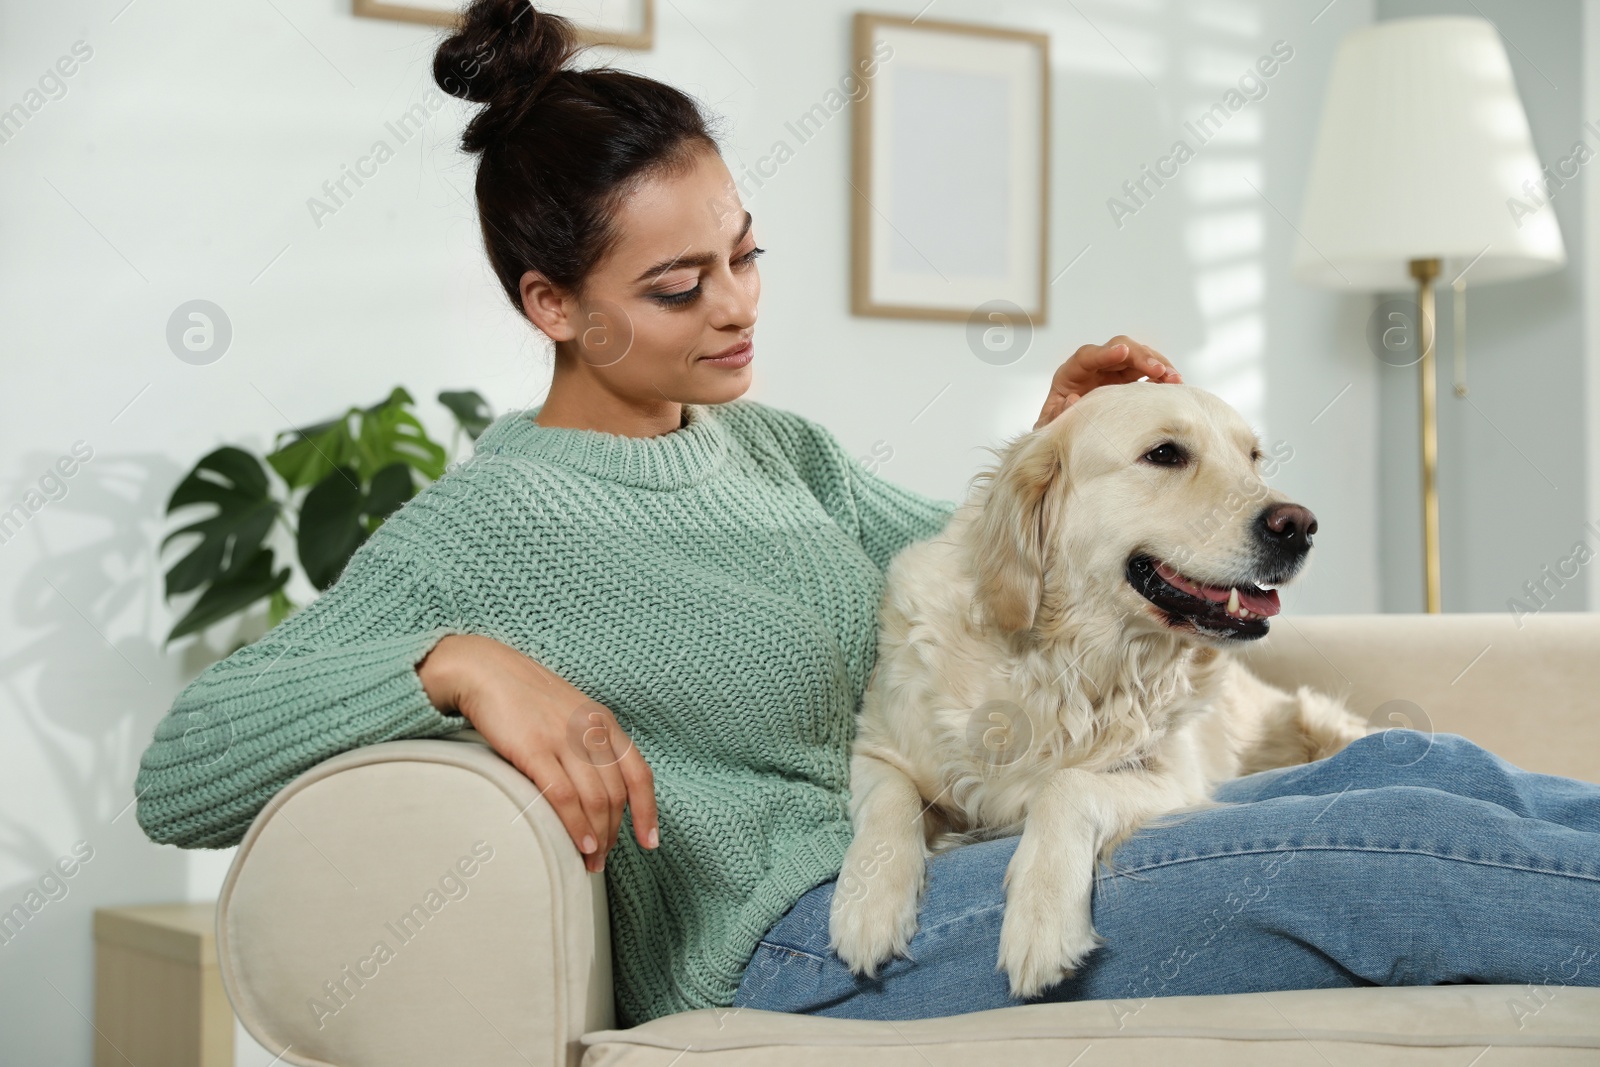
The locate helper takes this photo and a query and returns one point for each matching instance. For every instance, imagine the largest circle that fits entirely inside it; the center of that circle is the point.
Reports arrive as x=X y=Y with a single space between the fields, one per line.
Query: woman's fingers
x=1134 y=361
x=596 y=801
x=605 y=774
x=1119 y=360
x=1143 y=359
x=608 y=747
x=1111 y=356
x=589 y=744
x=630 y=783
x=1112 y=363
x=1159 y=368
x=617 y=797
x=569 y=746
x=641 y=784
x=559 y=791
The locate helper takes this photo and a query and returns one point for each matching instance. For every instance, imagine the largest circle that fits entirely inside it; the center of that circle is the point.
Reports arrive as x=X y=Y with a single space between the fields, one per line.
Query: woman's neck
x=598 y=410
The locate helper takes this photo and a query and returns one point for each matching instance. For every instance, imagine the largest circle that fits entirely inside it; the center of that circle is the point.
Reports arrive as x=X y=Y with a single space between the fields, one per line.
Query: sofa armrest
x=1523 y=689
x=415 y=902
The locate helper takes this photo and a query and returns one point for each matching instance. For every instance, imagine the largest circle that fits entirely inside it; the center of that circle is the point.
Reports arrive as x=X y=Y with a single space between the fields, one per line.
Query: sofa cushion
x=1448 y=1026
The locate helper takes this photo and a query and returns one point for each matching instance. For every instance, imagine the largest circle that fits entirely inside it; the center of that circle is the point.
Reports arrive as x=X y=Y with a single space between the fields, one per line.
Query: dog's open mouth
x=1239 y=611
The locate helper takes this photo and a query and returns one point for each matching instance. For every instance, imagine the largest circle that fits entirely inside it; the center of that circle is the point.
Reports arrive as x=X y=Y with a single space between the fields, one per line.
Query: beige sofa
x=512 y=963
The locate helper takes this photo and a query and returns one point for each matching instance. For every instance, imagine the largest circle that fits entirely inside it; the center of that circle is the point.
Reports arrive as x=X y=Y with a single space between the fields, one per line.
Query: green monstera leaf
x=234 y=482
x=389 y=433
x=338 y=514
x=472 y=411
x=350 y=474
x=330 y=526
x=366 y=439
x=234 y=593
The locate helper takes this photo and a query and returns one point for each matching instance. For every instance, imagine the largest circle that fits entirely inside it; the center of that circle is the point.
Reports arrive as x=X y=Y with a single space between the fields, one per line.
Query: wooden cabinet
x=158 y=998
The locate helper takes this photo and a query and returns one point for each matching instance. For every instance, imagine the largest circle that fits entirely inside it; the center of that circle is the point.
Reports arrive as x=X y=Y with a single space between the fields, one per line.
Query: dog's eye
x=1255 y=455
x=1166 y=454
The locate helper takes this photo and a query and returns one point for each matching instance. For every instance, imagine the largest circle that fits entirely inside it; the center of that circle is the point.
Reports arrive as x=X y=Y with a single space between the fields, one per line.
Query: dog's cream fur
x=1023 y=685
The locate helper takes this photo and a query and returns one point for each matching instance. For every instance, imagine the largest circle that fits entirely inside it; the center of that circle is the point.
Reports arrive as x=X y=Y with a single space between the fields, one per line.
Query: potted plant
x=336 y=482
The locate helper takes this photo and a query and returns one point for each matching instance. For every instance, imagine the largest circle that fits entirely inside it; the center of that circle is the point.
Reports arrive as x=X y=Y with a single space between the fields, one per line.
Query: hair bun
x=505 y=52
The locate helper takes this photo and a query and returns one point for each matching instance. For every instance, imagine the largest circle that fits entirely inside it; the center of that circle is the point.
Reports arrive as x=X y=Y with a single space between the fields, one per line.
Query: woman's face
x=680 y=285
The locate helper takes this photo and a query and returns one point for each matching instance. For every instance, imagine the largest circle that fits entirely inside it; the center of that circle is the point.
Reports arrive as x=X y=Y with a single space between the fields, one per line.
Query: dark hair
x=558 y=147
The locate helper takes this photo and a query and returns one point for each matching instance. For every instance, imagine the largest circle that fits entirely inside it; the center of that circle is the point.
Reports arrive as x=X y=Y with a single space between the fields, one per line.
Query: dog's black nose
x=1287 y=527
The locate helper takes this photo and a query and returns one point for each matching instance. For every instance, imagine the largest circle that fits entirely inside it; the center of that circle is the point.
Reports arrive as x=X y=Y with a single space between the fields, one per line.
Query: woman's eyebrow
x=703 y=259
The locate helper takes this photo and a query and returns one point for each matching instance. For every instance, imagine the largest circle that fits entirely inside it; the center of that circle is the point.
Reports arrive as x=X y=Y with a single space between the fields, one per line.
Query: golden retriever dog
x=1056 y=663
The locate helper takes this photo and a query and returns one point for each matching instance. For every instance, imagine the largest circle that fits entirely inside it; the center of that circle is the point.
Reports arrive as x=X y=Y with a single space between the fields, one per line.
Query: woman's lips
x=738 y=357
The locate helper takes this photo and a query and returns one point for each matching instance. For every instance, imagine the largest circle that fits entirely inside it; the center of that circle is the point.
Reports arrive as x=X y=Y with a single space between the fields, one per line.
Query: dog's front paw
x=874 y=911
x=1039 y=947
x=1328 y=726
x=1044 y=935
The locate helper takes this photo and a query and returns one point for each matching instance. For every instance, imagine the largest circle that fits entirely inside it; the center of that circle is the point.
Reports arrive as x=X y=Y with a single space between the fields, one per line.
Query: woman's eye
x=1166 y=454
x=679 y=299
x=674 y=299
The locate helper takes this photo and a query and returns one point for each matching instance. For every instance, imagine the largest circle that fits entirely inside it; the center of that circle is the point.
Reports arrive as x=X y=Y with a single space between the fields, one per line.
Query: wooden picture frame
x=981 y=90
x=639 y=32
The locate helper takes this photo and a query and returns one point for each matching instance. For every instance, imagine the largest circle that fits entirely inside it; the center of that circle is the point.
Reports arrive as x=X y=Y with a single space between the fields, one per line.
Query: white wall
x=178 y=164
x=1591 y=243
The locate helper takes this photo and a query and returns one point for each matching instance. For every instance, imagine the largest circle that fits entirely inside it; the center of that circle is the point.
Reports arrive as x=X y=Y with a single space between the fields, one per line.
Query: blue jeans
x=1405 y=859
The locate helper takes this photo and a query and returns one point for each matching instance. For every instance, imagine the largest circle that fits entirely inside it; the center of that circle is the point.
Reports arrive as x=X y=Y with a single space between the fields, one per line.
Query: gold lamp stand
x=1425 y=271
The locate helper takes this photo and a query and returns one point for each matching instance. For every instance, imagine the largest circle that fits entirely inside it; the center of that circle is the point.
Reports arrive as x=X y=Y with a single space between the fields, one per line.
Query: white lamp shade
x=1423 y=146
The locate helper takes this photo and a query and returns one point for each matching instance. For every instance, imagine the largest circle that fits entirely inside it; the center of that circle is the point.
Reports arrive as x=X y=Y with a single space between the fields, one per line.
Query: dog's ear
x=1010 y=532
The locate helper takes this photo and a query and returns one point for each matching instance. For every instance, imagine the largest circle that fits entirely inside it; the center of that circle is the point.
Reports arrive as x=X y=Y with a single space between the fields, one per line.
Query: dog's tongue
x=1261 y=601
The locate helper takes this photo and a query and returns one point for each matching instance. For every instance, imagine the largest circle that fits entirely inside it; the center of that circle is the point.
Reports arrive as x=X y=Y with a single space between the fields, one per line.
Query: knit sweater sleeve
x=884 y=516
x=335 y=675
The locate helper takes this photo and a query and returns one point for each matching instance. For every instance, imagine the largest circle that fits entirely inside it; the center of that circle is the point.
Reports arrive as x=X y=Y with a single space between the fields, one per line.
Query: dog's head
x=1143 y=506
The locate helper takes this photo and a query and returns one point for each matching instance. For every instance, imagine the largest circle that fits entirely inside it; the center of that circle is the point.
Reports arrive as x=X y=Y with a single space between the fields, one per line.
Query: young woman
x=657 y=599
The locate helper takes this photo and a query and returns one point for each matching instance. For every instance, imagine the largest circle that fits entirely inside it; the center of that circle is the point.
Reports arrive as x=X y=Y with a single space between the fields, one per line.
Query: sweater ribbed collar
x=674 y=460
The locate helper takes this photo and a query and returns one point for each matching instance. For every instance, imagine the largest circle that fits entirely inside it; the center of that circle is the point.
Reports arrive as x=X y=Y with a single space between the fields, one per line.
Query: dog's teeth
x=1233 y=601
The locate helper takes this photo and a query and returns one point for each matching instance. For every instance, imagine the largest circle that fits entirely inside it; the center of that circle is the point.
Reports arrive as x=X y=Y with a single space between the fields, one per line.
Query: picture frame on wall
x=623 y=23
x=950 y=157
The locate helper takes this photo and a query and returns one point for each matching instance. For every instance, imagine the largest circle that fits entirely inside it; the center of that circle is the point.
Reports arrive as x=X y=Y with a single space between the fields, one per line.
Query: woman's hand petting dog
x=1121 y=359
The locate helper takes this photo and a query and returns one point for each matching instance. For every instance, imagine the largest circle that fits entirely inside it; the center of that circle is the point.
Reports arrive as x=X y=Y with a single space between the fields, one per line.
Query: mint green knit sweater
x=716 y=587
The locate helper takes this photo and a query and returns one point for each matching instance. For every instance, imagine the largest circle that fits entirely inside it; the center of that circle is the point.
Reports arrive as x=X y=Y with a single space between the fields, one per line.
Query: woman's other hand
x=571 y=747
x=1121 y=359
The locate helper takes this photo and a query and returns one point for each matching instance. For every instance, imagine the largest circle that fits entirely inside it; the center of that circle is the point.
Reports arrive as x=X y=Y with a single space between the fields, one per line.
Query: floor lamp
x=1423 y=170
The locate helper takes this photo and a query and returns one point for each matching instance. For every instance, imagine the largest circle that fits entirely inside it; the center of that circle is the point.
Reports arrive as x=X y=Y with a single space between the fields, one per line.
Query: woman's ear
x=546 y=307
x=1011 y=531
